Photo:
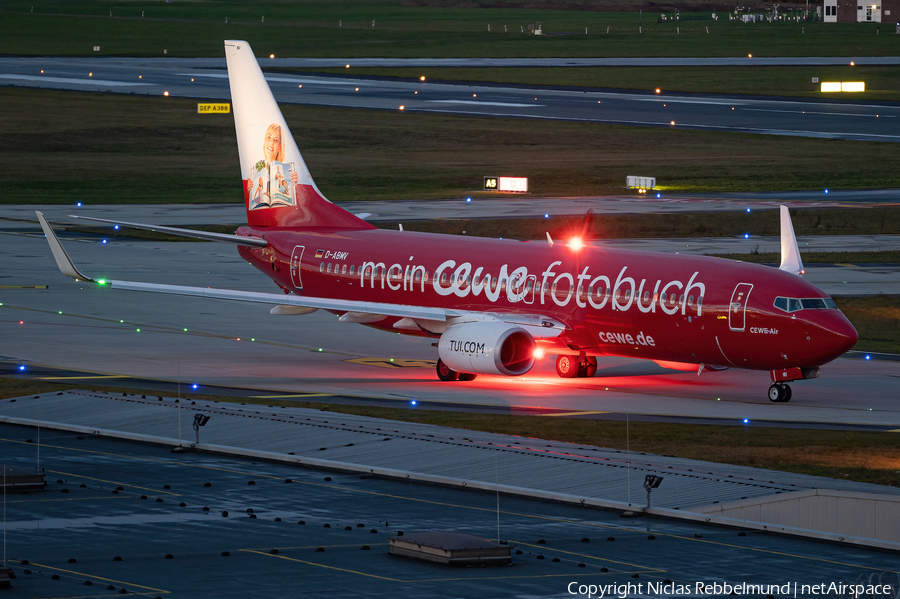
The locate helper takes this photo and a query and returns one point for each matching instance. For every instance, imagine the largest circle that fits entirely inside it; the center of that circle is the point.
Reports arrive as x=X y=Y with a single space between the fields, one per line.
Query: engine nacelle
x=487 y=348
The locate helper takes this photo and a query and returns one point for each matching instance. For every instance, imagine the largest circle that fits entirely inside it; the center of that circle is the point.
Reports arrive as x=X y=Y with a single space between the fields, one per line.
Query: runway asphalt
x=201 y=78
x=82 y=327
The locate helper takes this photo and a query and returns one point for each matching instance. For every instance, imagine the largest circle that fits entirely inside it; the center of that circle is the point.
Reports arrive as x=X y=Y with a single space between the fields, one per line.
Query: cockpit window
x=790 y=304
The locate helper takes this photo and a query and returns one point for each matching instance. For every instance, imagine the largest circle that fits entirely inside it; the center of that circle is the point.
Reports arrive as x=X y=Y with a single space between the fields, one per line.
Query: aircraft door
x=737 y=309
x=296 y=266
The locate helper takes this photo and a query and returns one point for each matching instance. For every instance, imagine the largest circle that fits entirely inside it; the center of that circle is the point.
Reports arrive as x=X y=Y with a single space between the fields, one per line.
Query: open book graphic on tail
x=272 y=185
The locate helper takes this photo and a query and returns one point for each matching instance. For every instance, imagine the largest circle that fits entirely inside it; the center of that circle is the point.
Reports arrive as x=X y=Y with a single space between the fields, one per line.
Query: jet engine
x=487 y=348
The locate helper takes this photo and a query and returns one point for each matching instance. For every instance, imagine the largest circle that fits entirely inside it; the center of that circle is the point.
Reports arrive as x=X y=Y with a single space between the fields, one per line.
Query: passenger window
x=418 y=276
x=646 y=296
x=475 y=280
x=553 y=289
x=329 y=268
x=663 y=297
x=443 y=278
x=352 y=268
x=699 y=301
x=681 y=299
x=344 y=269
x=690 y=300
x=321 y=267
x=627 y=294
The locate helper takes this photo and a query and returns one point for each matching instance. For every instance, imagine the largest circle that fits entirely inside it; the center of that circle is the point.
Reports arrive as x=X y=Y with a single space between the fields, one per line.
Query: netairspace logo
x=857 y=590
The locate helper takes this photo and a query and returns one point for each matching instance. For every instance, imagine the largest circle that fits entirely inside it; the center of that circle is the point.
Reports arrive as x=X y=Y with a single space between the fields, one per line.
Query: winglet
x=790 y=253
x=62 y=258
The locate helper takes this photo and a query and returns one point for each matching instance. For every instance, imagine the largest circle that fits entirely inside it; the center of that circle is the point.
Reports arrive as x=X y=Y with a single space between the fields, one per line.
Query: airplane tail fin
x=790 y=251
x=278 y=189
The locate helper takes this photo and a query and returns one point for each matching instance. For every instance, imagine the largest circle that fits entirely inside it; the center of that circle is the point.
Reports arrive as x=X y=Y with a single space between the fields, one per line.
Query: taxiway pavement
x=85 y=327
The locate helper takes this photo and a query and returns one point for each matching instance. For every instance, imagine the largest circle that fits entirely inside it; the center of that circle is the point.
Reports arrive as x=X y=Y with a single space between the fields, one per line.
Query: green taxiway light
x=101 y=282
x=138 y=330
x=121 y=321
x=185 y=330
x=320 y=349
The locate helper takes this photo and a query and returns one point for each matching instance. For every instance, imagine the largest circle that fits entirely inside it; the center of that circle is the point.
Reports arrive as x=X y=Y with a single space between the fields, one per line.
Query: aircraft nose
x=841 y=334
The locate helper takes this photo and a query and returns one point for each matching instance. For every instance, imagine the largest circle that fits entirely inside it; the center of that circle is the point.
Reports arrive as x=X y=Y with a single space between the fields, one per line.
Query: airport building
x=861 y=11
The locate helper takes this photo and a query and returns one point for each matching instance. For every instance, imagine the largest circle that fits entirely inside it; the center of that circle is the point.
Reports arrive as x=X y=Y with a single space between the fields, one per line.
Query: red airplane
x=494 y=305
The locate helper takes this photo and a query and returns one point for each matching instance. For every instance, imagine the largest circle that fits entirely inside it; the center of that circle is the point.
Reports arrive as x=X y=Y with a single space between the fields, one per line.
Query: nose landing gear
x=779 y=392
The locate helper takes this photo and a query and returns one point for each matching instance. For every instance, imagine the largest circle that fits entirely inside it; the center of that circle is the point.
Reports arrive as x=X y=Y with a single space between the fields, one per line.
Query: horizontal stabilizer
x=204 y=235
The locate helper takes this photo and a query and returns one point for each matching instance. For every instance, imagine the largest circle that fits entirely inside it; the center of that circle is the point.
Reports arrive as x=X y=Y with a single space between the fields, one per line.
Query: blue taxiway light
x=468 y=200
x=659 y=195
x=748 y=209
x=116 y=227
x=746 y=235
x=546 y=215
x=194 y=386
x=78 y=204
x=826 y=191
x=412 y=403
x=104 y=241
x=868 y=357
x=746 y=421
x=21 y=368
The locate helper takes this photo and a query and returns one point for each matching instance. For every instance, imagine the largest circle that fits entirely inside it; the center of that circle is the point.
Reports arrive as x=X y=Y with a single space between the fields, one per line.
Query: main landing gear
x=569 y=367
x=779 y=392
x=445 y=373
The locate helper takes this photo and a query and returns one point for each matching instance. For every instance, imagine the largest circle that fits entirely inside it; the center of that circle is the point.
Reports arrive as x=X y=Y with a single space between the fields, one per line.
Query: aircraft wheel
x=445 y=373
x=779 y=393
x=588 y=368
x=567 y=366
x=467 y=376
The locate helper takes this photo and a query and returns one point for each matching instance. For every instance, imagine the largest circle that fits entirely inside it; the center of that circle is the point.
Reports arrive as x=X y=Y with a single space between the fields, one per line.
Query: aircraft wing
x=543 y=325
x=205 y=235
x=400 y=310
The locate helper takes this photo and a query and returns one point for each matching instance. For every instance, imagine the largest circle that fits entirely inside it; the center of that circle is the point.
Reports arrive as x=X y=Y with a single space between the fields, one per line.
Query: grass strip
x=103 y=148
x=872 y=457
x=404 y=28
